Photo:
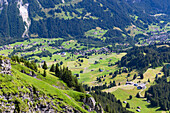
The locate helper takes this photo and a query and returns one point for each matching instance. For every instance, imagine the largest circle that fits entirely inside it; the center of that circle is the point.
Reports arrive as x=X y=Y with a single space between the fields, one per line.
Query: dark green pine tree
x=57 y=71
x=107 y=108
x=130 y=97
x=134 y=77
x=127 y=105
x=145 y=94
x=67 y=77
x=52 y=69
x=148 y=80
x=138 y=95
x=79 y=87
x=141 y=76
x=44 y=74
x=44 y=66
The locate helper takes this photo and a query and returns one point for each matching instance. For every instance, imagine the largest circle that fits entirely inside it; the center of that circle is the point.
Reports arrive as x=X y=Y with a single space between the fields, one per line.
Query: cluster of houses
x=81 y=52
x=6 y=47
x=162 y=38
x=139 y=86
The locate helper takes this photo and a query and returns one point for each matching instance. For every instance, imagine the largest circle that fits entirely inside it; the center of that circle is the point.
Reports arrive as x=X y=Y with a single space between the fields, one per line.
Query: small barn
x=129 y=83
x=141 y=86
x=138 y=110
x=135 y=84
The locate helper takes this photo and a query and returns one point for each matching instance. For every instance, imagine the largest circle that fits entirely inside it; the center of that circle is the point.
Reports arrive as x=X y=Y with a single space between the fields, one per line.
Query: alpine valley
x=80 y=56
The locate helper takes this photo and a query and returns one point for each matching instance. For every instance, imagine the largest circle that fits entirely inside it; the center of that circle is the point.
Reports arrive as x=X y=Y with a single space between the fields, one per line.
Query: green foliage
x=159 y=94
x=45 y=66
x=141 y=58
x=57 y=71
x=45 y=87
x=127 y=105
x=42 y=54
x=148 y=80
x=141 y=76
x=109 y=102
x=52 y=69
x=44 y=74
x=130 y=97
x=32 y=65
x=20 y=106
x=66 y=75
x=134 y=77
x=138 y=95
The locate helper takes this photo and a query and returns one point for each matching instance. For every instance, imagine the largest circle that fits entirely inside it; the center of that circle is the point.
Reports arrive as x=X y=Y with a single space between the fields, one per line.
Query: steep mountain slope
x=152 y=6
x=70 y=18
x=26 y=88
x=23 y=92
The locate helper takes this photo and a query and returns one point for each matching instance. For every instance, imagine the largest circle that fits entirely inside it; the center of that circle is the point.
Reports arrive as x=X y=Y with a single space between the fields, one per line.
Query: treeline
x=159 y=94
x=32 y=65
x=109 y=102
x=141 y=58
x=57 y=43
x=104 y=86
x=22 y=50
x=66 y=75
x=166 y=70
x=151 y=6
x=45 y=53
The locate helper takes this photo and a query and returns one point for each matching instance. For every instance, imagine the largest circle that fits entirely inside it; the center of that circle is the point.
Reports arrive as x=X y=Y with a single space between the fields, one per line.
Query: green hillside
x=24 y=87
x=25 y=92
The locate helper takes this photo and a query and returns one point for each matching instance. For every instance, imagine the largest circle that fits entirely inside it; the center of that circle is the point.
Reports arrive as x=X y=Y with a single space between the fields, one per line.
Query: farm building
x=135 y=84
x=124 y=102
x=138 y=110
x=129 y=83
x=141 y=86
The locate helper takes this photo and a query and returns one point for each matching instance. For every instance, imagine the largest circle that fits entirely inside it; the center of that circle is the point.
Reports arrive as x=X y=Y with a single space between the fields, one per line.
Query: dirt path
x=141 y=91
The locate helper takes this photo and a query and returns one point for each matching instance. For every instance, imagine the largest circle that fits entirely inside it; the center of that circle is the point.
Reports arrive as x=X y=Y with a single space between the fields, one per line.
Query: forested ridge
x=141 y=58
x=152 y=6
x=159 y=94
x=109 y=102
x=77 y=18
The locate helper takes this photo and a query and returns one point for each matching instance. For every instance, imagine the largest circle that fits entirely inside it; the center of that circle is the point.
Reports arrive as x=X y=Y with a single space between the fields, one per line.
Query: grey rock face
x=5 y=66
x=93 y=106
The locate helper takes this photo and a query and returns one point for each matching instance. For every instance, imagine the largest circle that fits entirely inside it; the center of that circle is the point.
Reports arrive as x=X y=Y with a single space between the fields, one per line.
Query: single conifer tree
x=44 y=65
x=52 y=69
x=44 y=74
x=57 y=70
x=138 y=95
x=127 y=105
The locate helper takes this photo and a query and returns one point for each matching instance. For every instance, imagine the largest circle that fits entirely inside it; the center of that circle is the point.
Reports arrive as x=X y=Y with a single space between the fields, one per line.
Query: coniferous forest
x=141 y=58
x=159 y=94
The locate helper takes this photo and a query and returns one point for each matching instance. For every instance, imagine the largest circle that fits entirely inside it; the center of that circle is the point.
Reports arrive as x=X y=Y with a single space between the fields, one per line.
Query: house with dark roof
x=142 y=86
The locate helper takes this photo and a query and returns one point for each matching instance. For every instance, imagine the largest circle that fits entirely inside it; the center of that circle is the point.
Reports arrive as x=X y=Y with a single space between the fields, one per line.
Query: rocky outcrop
x=90 y=101
x=23 y=8
x=5 y=66
x=33 y=102
x=30 y=99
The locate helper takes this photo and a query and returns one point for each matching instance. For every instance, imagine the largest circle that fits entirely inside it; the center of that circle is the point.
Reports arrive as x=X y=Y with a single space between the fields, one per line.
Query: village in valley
x=96 y=67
